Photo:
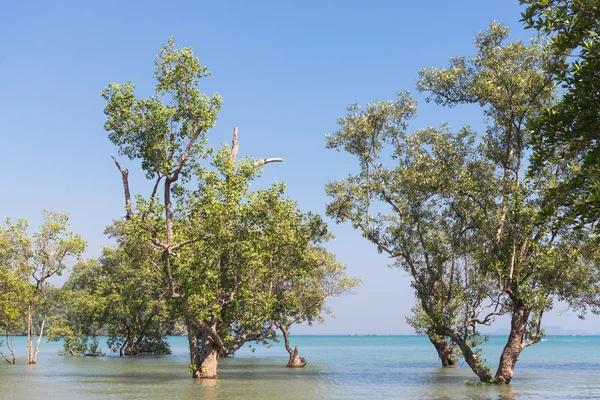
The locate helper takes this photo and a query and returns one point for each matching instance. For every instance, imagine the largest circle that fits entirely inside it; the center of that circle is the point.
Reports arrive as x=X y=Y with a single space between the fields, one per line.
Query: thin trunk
x=30 y=334
x=295 y=360
x=445 y=353
x=168 y=213
x=142 y=334
x=515 y=343
x=37 y=345
x=11 y=349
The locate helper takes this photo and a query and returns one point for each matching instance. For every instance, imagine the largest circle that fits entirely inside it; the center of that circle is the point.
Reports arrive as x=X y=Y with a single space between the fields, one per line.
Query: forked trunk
x=514 y=345
x=295 y=360
x=445 y=353
x=204 y=356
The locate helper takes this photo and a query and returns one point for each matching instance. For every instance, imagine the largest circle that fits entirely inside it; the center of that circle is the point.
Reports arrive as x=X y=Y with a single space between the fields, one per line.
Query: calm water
x=340 y=367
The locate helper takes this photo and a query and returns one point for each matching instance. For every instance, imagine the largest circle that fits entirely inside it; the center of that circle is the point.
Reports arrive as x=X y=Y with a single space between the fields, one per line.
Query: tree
x=122 y=296
x=301 y=297
x=521 y=249
x=252 y=238
x=414 y=198
x=14 y=287
x=168 y=137
x=41 y=257
x=211 y=233
x=566 y=133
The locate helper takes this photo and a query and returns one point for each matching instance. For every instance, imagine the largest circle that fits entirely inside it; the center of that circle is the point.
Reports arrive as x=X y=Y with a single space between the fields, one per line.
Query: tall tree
x=212 y=234
x=522 y=250
x=413 y=199
x=566 y=134
x=167 y=133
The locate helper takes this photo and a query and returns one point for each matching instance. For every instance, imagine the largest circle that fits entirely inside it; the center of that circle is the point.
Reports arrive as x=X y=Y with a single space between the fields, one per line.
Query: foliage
x=219 y=243
x=521 y=249
x=456 y=210
x=14 y=287
x=566 y=134
x=121 y=296
x=15 y=290
x=31 y=261
x=414 y=199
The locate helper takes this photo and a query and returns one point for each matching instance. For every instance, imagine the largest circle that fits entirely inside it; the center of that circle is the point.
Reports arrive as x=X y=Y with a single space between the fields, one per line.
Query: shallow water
x=340 y=367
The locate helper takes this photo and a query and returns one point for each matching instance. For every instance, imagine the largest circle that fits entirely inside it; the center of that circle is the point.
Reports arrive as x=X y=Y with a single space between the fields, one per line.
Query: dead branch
x=125 y=177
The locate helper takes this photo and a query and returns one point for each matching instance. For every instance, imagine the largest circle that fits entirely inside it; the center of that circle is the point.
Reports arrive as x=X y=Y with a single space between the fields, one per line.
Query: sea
x=339 y=367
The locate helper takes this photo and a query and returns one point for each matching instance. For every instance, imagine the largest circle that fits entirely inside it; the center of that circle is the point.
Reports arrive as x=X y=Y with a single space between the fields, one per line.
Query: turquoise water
x=340 y=367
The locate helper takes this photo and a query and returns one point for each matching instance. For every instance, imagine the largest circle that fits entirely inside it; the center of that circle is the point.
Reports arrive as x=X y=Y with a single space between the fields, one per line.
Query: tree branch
x=205 y=237
x=125 y=177
x=235 y=145
x=264 y=161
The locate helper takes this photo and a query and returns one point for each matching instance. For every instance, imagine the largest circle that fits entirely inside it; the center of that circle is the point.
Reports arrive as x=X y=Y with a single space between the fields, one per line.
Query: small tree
x=14 y=287
x=122 y=296
x=41 y=257
x=300 y=297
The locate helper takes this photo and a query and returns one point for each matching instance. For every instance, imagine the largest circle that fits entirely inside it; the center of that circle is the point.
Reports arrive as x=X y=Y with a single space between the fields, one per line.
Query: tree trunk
x=130 y=347
x=483 y=373
x=37 y=345
x=295 y=360
x=10 y=347
x=30 y=334
x=122 y=347
x=515 y=343
x=204 y=356
x=445 y=354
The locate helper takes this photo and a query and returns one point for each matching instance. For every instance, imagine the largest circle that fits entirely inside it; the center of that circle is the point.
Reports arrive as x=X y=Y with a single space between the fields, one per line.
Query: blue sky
x=286 y=71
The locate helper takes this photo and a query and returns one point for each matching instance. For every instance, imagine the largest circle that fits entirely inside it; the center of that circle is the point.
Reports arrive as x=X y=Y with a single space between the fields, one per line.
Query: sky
x=286 y=71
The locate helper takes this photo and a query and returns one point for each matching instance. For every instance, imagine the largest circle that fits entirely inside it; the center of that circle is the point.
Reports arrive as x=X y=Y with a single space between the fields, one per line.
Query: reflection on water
x=339 y=368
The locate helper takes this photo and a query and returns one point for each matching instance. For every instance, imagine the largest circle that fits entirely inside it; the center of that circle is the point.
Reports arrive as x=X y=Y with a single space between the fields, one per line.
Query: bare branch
x=268 y=160
x=235 y=145
x=205 y=237
x=175 y=174
x=158 y=244
x=125 y=177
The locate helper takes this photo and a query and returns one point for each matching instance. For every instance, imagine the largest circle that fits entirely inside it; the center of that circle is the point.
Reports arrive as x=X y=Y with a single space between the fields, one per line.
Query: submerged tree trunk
x=130 y=347
x=515 y=343
x=483 y=373
x=295 y=360
x=30 y=334
x=10 y=347
x=37 y=345
x=204 y=356
x=122 y=347
x=445 y=353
